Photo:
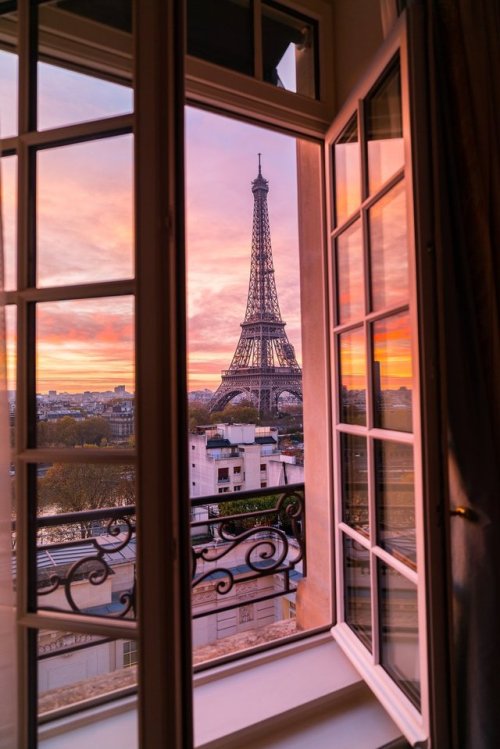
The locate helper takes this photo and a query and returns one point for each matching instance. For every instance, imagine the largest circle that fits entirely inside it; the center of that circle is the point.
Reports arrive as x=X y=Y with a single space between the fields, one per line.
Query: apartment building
x=238 y=457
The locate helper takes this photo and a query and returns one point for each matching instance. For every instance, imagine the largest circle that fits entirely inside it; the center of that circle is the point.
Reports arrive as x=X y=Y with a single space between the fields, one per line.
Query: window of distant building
x=130 y=656
x=223 y=474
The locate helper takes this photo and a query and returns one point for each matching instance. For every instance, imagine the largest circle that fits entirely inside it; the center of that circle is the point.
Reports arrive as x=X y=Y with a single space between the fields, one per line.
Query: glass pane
x=8 y=75
x=385 y=131
x=347 y=172
x=11 y=335
x=392 y=373
x=395 y=500
x=399 y=652
x=85 y=212
x=86 y=560
x=9 y=218
x=350 y=286
x=221 y=31
x=236 y=600
x=389 y=249
x=76 y=667
x=85 y=372
x=100 y=39
x=357 y=590
x=288 y=48
x=355 y=482
x=352 y=377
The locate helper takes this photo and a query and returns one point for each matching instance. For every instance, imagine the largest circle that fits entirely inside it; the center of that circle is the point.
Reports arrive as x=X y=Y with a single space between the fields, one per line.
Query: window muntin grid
x=22 y=298
x=376 y=497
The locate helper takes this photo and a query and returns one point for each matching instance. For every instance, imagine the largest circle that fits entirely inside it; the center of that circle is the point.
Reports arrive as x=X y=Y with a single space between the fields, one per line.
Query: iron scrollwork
x=94 y=567
x=276 y=544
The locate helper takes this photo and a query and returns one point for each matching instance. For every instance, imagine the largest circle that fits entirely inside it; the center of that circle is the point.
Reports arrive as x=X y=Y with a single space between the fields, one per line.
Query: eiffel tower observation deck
x=264 y=364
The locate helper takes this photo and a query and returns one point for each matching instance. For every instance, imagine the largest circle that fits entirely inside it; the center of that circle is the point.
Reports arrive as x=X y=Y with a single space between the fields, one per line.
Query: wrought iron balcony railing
x=85 y=561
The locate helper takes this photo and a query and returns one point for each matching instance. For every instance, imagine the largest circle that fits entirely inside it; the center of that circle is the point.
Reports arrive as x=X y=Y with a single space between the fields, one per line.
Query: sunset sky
x=85 y=234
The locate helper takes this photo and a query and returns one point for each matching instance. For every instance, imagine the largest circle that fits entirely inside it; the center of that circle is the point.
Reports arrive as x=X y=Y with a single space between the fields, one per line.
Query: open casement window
x=382 y=566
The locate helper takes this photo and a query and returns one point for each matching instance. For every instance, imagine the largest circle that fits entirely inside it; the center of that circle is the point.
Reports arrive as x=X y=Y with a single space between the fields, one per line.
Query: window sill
x=303 y=694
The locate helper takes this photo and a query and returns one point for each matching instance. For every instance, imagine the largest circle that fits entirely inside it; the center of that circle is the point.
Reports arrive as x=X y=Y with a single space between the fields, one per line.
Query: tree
x=73 y=487
x=198 y=415
x=68 y=432
x=277 y=520
x=243 y=413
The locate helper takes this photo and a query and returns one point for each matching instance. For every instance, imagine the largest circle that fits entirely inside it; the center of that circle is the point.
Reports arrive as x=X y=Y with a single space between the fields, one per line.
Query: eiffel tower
x=264 y=364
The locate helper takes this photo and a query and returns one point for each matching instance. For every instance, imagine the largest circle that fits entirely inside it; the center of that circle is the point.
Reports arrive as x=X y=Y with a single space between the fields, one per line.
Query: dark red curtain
x=464 y=45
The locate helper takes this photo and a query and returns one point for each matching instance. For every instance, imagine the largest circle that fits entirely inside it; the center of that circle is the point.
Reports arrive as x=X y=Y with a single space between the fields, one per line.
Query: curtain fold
x=8 y=735
x=464 y=43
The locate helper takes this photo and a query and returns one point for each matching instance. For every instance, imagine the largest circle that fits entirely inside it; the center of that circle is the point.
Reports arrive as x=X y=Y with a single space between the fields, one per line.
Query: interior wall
x=357 y=34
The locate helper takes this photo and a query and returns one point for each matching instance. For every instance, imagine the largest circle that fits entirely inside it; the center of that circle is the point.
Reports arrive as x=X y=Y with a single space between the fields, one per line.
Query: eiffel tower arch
x=264 y=364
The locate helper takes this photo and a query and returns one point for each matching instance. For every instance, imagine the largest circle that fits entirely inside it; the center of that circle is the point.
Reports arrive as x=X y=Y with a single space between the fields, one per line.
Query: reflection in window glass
x=357 y=590
x=347 y=172
x=355 y=482
x=9 y=223
x=389 y=249
x=85 y=370
x=399 y=652
x=392 y=373
x=66 y=97
x=8 y=87
x=288 y=50
x=76 y=666
x=350 y=286
x=385 y=131
x=221 y=32
x=395 y=500
x=352 y=377
x=85 y=212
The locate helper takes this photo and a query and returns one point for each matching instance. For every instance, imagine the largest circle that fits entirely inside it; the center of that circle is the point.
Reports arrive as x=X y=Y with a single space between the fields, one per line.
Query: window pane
x=221 y=31
x=85 y=212
x=357 y=590
x=75 y=667
x=355 y=482
x=347 y=172
x=389 y=249
x=351 y=299
x=395 y=500
x=93 y=38
x=9 y=218
x=385 y=131
x=85 y=372
x=392 y=373
x=399 y=652
x=86 y=560
x=66 y=97
x=288 y=48
x=11 y=336
x=352 y=377
x=8 y=76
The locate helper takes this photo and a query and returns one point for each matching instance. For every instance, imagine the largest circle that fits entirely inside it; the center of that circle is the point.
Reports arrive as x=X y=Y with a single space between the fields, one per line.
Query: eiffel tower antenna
x=264 y=364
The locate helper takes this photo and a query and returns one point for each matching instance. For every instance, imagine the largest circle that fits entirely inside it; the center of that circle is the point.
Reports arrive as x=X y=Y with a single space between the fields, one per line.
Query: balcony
x=244 y=564
x=222 y=454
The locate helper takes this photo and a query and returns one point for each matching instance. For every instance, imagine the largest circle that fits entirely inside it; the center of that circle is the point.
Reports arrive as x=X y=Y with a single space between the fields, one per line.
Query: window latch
x=467 y=513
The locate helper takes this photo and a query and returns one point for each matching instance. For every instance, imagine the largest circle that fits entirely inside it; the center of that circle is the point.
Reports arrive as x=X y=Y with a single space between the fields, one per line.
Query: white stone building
x=238 y=457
